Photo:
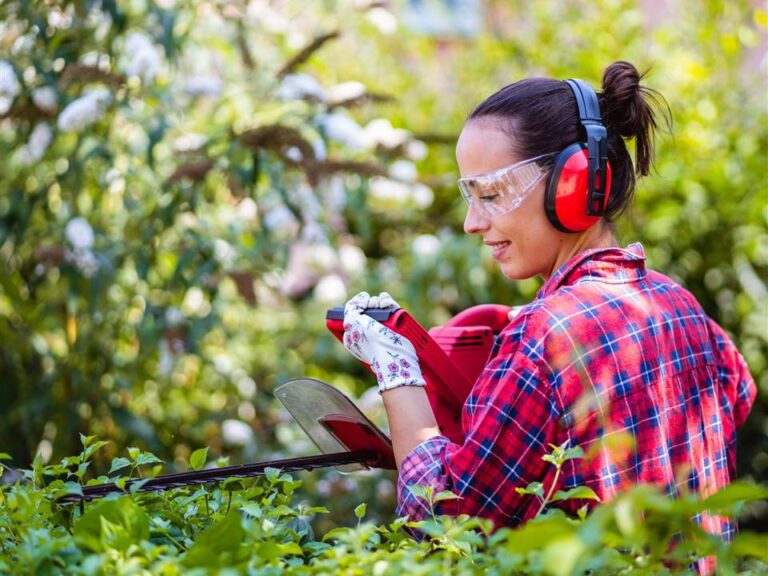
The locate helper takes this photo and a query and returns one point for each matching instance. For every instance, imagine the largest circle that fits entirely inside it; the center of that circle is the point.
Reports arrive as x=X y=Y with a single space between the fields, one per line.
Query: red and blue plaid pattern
x=614 y=358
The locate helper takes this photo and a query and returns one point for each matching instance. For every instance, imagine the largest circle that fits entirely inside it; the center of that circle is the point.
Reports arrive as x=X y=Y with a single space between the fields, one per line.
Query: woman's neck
x=598 y=236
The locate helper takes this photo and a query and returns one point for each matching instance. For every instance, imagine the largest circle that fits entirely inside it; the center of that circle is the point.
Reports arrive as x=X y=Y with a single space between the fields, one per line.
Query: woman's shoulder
x=592 y=307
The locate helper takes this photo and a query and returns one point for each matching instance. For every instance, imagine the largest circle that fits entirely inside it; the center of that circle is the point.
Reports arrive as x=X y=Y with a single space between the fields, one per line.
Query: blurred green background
x=186 y=187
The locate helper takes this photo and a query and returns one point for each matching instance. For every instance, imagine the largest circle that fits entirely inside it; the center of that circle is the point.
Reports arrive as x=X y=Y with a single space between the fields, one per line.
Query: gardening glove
x=391 y=356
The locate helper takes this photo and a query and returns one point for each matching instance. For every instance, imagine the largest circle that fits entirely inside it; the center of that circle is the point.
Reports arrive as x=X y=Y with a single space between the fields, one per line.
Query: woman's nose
x=474 y=222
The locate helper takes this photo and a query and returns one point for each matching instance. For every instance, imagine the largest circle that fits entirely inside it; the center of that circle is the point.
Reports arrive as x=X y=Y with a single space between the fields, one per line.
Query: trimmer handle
x=447 y=386
x=378 y=314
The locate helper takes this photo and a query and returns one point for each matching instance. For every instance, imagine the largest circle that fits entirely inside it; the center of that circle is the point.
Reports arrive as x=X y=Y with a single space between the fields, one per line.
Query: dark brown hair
x=541 y=116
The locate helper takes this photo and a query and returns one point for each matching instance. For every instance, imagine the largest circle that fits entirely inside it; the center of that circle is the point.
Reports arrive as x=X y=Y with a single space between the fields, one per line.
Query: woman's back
x=642 y=379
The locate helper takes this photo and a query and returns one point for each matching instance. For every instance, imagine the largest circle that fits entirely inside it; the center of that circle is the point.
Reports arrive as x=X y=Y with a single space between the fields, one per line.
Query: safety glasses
x=499 y=192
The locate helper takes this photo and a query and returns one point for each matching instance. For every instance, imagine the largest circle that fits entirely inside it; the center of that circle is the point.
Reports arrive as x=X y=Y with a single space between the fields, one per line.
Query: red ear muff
x=565 y=199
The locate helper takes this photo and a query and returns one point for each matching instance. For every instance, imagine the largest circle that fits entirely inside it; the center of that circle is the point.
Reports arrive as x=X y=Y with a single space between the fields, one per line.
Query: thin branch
x=306 y=53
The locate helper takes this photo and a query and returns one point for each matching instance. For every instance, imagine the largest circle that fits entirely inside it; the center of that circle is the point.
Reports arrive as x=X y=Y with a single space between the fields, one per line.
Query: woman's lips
x=498 y=248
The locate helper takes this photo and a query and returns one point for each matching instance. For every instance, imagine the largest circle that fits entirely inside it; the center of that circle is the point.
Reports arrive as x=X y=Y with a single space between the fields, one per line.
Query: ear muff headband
x=578 y=188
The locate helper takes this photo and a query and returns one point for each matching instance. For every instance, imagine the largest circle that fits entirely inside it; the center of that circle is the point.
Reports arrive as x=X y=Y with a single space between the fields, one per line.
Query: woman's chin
x=513 y=271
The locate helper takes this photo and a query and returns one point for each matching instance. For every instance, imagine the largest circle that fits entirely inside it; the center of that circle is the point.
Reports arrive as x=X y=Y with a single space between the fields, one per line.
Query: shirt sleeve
x=509 y=420
x=739 y=387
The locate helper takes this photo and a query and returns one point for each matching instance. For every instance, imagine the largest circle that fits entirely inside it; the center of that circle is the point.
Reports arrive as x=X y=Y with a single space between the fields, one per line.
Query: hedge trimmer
x=451 y=357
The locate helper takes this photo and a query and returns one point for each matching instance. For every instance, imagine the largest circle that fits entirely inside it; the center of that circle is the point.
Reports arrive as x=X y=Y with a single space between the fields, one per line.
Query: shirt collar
x=616 y=265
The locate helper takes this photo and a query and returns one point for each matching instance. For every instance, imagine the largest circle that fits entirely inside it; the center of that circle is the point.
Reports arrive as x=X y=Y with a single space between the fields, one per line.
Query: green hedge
x=256 y=526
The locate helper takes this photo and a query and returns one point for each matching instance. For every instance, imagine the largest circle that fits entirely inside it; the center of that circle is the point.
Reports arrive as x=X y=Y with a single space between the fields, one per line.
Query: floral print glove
x=391 y=357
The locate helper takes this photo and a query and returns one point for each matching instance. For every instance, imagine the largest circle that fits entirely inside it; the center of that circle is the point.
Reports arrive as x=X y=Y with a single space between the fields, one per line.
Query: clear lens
x=501 y=191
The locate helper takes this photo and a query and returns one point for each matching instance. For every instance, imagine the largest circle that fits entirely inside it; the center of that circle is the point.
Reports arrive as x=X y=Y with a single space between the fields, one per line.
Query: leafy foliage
x=246 y=525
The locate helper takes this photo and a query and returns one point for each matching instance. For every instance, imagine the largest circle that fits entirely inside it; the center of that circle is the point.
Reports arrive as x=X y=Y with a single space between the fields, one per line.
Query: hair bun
x=627 y=110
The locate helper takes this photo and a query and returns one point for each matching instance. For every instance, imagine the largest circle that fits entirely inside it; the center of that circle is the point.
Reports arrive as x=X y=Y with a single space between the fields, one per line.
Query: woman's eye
x=489 y=199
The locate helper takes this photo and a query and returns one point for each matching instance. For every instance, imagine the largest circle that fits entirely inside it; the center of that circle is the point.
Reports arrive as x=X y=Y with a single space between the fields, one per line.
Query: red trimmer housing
x=451 y=356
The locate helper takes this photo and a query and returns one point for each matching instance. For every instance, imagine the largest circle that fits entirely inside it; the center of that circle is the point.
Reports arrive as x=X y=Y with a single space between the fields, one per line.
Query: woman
x=607 y=348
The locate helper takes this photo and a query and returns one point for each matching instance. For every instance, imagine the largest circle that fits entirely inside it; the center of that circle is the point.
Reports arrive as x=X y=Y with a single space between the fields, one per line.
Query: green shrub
x=249 y=526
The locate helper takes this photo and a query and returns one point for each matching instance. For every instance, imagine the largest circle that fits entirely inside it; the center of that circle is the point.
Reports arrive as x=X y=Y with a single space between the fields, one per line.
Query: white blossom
x=189 y=142
x=204 y=85
x=382 y=19
x=145 y=57
x=422 y=195
x=322 y=257
x=301 y=86
x=247 y=209
x=246 y=386
x=79 y=234
x=404 y=170
x=330 y=290
x=45 y=98
x=314 y=232
x=294 y=154
x=352 y=260
x=167 y=359
x=85 y=110
x=425 y=246
x=281 y=221
x=195 y=303
x=59 y=19
x=235 y=432
x=174 y=317
x=307 y=263
x=334 y=193
x=9 y=86
x=389 y=190
x=346 y=91
x=39 y=140
x=222 y=363
x=304 y=196
x=344 y=129
x=318 y=147
x=379 y=132
x=84 y=260
x=416 y=150
x=224 y=252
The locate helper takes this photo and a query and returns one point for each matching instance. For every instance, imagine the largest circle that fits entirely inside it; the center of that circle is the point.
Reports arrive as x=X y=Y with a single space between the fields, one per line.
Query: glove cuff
x=384 y=386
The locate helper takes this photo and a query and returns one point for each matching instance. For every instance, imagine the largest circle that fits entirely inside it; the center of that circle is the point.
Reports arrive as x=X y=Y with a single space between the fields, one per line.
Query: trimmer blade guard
x=333 y=422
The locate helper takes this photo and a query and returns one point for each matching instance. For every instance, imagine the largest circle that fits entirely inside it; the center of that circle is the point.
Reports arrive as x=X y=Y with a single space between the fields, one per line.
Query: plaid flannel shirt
x=606 y=348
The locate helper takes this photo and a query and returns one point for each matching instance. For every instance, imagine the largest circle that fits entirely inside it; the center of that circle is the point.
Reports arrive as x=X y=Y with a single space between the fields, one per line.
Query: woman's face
x=523 y=241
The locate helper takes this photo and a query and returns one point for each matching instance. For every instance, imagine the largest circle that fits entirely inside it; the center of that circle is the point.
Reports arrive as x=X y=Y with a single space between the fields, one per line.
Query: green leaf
x=109 y=524
x=445 y=495
x=360 y=511
x=253 y=510
x=572 y=453
x=5 y=456
x=750 y=544
x=536 y=534
x=197 y=459
x=92 y=448
x=421 y=492
x=734 y=493
x=82 y=469
x=534 y=488
x=119 y=464
x=217 y=545
x=137 y=484
x=147 y=458
x=575 y=493
x=272 y=474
